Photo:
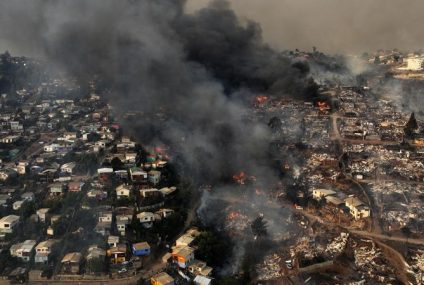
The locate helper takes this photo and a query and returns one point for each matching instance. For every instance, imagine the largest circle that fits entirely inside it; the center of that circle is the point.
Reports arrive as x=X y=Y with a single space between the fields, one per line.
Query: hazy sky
x=335 y=25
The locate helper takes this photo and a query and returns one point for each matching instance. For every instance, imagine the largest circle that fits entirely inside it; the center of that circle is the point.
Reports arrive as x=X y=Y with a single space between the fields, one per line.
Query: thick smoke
x=156 y=59
x=335 y=25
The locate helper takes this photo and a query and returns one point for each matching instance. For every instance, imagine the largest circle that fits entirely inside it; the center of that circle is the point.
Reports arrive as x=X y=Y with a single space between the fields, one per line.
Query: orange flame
x=239 y=178
x=323 y=106
x=261 y=99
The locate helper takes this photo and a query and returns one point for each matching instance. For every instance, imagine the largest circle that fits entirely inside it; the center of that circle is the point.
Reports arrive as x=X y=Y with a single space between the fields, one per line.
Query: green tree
x=212 y=248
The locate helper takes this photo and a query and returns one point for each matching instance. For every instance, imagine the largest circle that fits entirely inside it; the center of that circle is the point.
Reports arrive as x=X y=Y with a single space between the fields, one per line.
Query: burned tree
x=259 y=227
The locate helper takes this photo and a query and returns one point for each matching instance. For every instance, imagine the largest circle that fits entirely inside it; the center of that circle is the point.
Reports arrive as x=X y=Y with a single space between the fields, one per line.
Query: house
x=104 y=173
x=121 y=223
x=23 y=250
x=198 y=267
x=146 y=219
x=42 y=214
x=117 y=254
x=357 y=208
x=8 y=223
x=68 y=167
x=43 y=250
x=113 y=241
x=164 y=213
x=182 y=256
x=105 y=216
x=137 y=174
x=56 y=189
x=52 y=147
x=71 y=263
x=9 y=139
x=162 y=279
x=154 y=176
x=21 y=168
x=28 y=196
x=140 y=249
x=322 y=193
x=75 y=186
x=130 y=157
x=123 y=191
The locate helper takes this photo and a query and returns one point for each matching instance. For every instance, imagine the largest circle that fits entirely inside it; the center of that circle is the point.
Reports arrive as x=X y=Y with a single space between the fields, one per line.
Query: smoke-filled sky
x=338 y=26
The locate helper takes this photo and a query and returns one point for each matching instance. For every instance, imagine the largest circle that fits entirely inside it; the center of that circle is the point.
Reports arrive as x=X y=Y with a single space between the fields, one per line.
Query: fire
x=323 y=106
x=233 y=215
x=239 y=178
x=261 y=99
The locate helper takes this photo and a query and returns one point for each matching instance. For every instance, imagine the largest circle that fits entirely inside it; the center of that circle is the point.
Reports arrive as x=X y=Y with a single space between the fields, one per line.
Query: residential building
x=43 y=251
x=68 y=167
x=322 y=193
x=140 y=249
x=357 y=208
x=123 y=191
x=8 y=223
x=23 y=250
x=182 y=255
x=71 y=263
x=117 y=254
x=42 y=214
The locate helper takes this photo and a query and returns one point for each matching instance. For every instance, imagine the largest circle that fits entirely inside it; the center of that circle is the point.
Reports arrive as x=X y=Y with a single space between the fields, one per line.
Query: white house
x=123 y=191
x=68 y=167
x=322 y=193
x=8 y=223
x=146 y=219
x=43 y=250
x=52 y=147
x=23 y=250
x=357 y=208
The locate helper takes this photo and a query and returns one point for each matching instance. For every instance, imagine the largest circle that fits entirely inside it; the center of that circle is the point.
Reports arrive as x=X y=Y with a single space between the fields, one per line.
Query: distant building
x=8 y=223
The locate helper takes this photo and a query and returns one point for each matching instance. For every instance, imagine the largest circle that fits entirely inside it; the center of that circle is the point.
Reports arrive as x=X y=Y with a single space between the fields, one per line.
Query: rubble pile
x=371 y=264
x=270 y=268
x=417 y=264
x=337 y=245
